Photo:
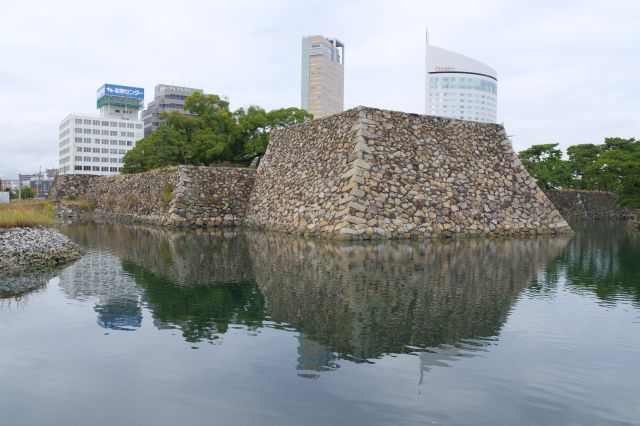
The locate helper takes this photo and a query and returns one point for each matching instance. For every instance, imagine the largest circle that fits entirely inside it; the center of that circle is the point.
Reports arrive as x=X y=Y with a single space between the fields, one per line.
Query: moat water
x=153 y=327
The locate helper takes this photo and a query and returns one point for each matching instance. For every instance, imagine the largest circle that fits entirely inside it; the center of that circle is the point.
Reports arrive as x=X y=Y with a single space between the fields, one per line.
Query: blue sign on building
x=121 y=91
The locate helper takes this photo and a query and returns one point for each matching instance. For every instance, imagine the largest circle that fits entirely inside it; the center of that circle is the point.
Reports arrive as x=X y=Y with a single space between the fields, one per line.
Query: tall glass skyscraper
x=459 y=87
x=322 y=75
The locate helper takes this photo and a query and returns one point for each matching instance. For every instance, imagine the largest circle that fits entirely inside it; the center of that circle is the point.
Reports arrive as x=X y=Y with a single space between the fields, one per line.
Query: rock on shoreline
x=31 y=248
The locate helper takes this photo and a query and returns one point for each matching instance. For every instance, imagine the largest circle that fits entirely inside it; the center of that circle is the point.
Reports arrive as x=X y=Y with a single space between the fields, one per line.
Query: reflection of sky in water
x=451 y=332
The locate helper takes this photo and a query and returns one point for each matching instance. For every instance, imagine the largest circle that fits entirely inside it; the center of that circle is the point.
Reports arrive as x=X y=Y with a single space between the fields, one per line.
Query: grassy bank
x=26 y=213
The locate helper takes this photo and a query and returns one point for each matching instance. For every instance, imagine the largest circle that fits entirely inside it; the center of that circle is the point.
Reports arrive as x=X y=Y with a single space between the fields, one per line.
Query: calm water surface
x=152 y=327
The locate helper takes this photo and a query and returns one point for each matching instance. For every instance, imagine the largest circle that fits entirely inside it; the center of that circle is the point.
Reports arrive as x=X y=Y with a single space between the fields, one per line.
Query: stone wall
x=588 y=205
x=177 y=196
x=369 y=173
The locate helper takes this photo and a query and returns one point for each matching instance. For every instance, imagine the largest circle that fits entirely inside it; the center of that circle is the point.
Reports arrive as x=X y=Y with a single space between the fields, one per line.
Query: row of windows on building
x=463 y=83
x=98 y=159
x=103 y=123
x=96 y=169
x=99 y=141
x=103 y=132
x=102 y=150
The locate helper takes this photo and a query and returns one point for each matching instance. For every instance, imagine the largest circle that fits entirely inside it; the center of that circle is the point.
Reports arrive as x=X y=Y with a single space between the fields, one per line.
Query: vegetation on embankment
x=212 y=134
x=26 y=214
x=612 y=166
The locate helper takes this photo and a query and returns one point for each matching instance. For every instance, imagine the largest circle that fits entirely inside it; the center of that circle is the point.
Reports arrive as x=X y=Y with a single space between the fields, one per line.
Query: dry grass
x=77 y=204
x=25 y=214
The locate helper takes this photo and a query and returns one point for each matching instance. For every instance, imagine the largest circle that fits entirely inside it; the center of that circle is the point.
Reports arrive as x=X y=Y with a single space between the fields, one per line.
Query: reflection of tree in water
x=602 y=259
x=202 y=312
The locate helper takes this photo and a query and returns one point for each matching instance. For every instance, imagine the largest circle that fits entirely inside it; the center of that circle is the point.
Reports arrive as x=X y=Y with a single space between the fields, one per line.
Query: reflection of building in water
x=100 y=274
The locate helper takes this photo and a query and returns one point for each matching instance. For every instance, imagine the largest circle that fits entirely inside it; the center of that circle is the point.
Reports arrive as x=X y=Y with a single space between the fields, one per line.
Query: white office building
x=96 y=144
x=459 y=87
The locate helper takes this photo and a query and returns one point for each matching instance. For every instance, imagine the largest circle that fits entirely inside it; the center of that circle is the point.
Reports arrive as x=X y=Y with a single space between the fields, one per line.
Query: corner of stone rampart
x=353 y=204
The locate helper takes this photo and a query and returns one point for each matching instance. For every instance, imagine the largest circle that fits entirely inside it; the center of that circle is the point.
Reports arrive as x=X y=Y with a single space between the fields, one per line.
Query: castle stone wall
x=369 y=173
x=184 y=196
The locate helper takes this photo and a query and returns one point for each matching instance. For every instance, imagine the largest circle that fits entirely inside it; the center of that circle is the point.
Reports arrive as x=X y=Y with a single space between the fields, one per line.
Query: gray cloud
x=567 y=70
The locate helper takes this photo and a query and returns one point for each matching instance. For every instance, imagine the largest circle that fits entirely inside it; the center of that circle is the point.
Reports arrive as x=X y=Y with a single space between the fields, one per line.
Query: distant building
x=166 y=99
x=322 y=75
x=40 y=182
x=459 y=87
x=95 y=144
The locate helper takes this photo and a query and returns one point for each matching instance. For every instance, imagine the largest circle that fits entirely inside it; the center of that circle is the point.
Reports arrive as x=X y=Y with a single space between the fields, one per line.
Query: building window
x=138 y=126
x=105 y=159
x=79 y=149
x=88 y=159
x=113 y=133
x=78 y=158
x=78 y=168
x=87 y=168
x=114 y=124
x=105 y=150
x=87 y=140
x=113 y=169
x=104 y=123
x=113 y=151
x=96 y=131
x=123 y=124
x=78 y=120
x=87 y=122
x=95 y=168
x=104 y=169
x=130 y=125
x=96 y=122
x=87 y=149
x=78 y=139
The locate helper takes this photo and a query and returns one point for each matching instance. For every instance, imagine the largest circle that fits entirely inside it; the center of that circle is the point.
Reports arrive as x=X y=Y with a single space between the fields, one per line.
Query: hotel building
x=166 y=99
x=96 y=144
x=459 y=87
x=322 y=75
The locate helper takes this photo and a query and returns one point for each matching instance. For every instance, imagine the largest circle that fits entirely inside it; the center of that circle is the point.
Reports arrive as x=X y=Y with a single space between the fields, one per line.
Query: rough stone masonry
x=369 y=173
x=364 y=173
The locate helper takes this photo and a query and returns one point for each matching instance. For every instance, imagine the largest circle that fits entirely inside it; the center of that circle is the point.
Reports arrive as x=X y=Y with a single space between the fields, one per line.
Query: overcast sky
x=568 y=71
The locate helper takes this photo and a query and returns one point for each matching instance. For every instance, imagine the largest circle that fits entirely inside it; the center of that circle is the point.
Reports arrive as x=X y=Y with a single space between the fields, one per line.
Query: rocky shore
x=32 y=248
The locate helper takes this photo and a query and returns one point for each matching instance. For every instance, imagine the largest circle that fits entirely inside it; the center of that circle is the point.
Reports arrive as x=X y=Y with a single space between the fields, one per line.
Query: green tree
x=581 y=158
x=27 y=193
x=211 y=133
x=544 y=162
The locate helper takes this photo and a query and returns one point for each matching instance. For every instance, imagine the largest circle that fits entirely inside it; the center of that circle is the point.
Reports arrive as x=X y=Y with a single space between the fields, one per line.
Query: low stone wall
x=186 y=196
x=588 y=205
x=369 y=173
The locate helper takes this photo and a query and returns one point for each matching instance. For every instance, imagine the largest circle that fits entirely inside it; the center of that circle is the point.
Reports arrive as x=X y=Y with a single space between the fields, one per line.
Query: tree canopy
x=211 y=133
x=612 y=166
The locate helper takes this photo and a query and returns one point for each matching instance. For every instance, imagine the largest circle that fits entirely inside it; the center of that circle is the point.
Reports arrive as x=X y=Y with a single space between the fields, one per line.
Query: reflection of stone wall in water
x=187 y=258
x=365 y=300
